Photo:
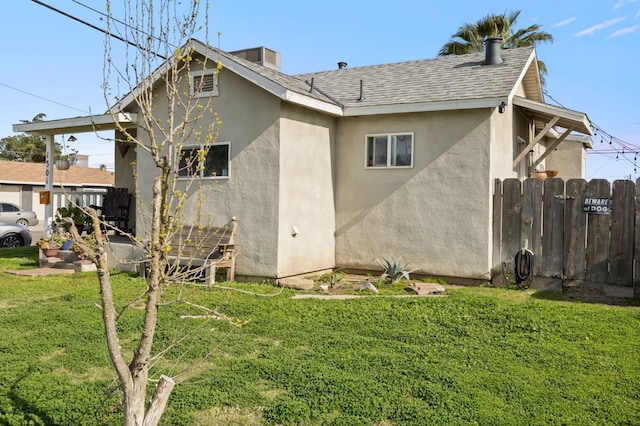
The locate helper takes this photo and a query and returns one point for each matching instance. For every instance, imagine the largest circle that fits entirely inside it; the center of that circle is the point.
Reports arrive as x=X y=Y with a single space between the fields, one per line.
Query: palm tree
x=470 y=37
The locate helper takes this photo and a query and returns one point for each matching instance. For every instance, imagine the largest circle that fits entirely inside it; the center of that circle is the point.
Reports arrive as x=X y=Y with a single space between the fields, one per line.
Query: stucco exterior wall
x=504 y=131
x=306 y=199
x=435 y=215
x=251 y=190
x=569 y=159
x=521 y=137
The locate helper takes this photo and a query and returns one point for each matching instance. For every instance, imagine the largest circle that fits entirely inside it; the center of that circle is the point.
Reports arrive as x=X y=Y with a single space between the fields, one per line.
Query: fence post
x=621 y=246
x=575 y=230
x=511 y=220
x=552 y=233
x=531 y=220
x=598 y=235
x=496 y=275
x=636 y=282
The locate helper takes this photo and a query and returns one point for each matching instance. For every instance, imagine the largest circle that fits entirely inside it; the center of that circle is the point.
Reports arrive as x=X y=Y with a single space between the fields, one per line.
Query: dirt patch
x=353 y=285
x=594 y=295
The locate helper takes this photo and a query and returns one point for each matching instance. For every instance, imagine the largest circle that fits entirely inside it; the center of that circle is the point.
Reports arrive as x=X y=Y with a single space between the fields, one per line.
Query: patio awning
x=49 y=129
x=544 y=113
x=88 y=123
x=549 y=116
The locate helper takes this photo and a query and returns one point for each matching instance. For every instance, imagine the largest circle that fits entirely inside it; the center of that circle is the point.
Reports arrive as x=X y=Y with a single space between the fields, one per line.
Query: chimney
x=342 y=65
x=492 y=51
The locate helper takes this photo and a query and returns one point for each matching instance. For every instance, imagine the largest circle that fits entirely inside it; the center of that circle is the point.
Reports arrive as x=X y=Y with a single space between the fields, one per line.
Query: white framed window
x=204 y=83
x=216 y=161
x=386 y=150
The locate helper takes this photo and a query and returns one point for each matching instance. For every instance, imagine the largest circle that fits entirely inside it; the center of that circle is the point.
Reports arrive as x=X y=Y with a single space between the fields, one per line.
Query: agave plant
x=394 y=270
x=332 y=278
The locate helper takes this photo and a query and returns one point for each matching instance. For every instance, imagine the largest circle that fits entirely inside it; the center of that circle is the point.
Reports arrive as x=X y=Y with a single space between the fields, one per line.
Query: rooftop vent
x=492 y=51
x=342 y=65
x=261 y=56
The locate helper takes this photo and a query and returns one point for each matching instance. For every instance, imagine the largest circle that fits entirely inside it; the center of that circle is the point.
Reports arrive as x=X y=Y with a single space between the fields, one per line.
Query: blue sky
x=593 y=62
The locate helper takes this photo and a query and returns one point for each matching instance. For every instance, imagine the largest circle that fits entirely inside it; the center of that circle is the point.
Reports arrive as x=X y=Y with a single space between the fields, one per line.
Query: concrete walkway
x=39 y=272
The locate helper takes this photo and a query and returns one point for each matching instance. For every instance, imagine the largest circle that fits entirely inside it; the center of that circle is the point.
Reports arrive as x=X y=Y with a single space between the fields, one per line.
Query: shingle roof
x=455 y=78
x=293 y=83
x=33 y=174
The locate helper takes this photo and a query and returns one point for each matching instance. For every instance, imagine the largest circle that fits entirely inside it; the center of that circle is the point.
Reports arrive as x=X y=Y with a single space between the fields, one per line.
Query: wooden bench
x=208 y=248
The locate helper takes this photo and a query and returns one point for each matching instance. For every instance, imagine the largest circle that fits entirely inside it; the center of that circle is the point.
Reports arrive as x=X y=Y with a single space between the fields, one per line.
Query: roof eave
x=244 y=72
x=88 y=123
x=313 y=103
x=280 y=91
x=578 y=121
x=530 y=80
x=351 y=111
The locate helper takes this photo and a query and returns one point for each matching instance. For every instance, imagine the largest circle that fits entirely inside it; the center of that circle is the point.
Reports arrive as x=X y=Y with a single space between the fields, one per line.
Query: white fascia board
x=583 y=139
x=313 y=103
x=253 y=77
x=157 y=74
x=532 y=60
x=352 y=111
x=78 y=124
x=579 y=118
x=22 y=182
x=279 y=91
x=553 y=133
x=56 y=184
x=150 y=80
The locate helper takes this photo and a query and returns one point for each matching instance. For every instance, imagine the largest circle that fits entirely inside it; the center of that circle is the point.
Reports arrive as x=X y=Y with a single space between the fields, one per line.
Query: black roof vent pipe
x=342 y=65
x=492 y=51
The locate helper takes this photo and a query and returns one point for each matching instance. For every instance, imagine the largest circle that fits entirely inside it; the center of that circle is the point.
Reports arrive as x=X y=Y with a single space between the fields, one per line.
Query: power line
x=43 y=98
x=110 y=34
x=614 y=145
x=138 y=30
x=91 y=26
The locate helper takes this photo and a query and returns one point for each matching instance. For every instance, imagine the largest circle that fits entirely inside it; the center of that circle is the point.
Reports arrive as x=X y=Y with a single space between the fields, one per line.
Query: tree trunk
x=134 y=402
x=159 y=401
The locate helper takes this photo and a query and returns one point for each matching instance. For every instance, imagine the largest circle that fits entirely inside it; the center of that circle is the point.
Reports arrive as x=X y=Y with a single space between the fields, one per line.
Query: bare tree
x=150 y=76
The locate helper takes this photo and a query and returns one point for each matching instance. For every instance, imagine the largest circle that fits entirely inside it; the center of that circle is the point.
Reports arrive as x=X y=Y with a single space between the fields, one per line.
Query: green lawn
x=479 y=356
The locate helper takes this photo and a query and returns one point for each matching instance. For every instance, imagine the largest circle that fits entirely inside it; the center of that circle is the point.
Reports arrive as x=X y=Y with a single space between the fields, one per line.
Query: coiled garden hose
x=523 y=269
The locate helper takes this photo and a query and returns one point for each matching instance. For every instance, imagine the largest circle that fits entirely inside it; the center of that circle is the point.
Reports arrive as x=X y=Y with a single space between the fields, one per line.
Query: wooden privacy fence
x=577 y=230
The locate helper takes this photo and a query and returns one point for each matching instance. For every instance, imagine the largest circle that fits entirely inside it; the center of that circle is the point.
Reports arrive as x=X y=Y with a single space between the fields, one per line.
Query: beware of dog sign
x=596 y=205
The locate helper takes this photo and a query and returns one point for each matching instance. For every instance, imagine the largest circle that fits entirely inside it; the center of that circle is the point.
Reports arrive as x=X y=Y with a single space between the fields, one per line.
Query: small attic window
x=204 y=83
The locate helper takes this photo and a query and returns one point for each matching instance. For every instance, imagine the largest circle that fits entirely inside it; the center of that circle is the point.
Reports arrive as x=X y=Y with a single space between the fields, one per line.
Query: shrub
x=394 y=270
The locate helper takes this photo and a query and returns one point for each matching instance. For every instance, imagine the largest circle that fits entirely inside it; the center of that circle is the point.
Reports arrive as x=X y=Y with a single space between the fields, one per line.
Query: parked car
x=14 y=235
x=10 y=213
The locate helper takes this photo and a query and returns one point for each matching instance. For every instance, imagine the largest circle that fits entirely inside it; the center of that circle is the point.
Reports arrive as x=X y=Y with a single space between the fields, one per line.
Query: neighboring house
x=570 y=157
x=22 y=182
x=343 y=167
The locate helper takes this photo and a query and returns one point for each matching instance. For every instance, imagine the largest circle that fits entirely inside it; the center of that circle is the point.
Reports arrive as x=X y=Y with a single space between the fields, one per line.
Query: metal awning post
x=48 y=184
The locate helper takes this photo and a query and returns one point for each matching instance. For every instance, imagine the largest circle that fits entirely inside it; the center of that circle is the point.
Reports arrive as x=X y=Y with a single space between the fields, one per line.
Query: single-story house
x=342 y=167
x=570 y=157
x=22 y=182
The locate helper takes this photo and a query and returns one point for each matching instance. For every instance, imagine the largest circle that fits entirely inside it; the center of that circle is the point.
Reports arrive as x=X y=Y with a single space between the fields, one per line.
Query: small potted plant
x=63 y=163
x=76 y=213
x=45 y=246
x=89 y=242
x=50 y=246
